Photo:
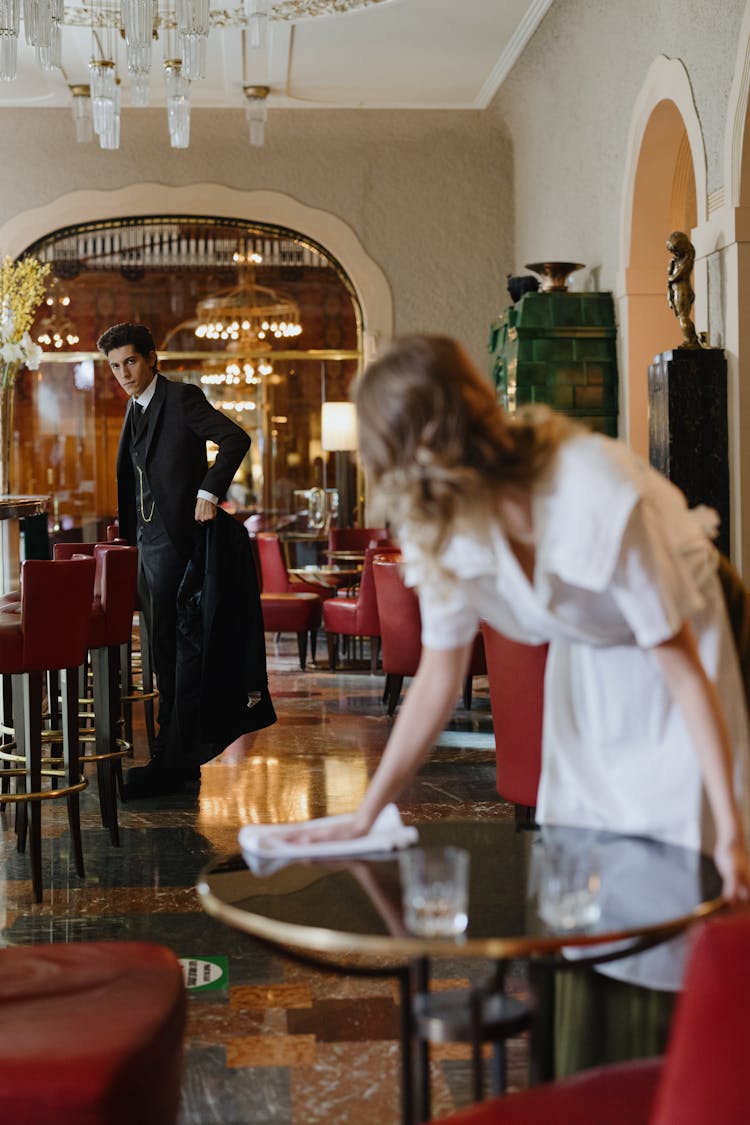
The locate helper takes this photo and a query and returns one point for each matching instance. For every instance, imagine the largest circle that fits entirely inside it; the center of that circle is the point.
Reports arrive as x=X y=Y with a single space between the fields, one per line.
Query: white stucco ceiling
x=421 y=54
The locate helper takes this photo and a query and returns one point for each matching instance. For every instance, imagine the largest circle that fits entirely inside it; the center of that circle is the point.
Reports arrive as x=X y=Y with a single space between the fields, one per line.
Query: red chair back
x=56 y=600
x=705 y=1076
x=399 y=616
x=117 y=570
x=62 y=551
x=516 y=680
x=368 y=619
x=274 y=575
x=356 y=538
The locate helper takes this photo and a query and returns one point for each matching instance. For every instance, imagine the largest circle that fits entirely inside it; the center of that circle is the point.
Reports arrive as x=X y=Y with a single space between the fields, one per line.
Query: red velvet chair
x=516 y=679
x=702 y=1078
x=90 y=1034
x=355 y=616
x=274 y=576
x=46 y=629
x=298 y=613
x=401 y=631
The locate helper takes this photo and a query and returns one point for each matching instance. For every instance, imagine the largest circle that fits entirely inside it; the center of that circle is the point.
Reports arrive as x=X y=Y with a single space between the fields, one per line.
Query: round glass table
x=346 y=914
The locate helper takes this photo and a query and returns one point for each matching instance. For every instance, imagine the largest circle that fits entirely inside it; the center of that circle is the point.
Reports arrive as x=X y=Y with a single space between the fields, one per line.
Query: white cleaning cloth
x=266 y=841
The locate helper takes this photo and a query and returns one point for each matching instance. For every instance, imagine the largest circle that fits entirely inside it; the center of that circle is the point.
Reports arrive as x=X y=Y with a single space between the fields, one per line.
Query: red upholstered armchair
x=274 y=576
x=355 y=616
x=516 y=679
x=401 y=631
x=703 y=1078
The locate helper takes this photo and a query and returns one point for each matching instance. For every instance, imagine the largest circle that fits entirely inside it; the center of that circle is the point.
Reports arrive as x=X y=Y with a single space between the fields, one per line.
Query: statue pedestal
x=687 y=427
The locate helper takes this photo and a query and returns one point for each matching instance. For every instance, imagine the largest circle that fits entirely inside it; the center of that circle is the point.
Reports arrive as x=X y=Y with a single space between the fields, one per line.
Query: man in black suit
x=164 y=488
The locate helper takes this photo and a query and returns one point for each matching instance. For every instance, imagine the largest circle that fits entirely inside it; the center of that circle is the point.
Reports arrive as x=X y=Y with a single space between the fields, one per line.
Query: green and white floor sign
x=205 y=974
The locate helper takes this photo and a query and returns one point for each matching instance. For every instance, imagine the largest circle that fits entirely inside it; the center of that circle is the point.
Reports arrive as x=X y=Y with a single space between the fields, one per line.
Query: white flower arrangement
x=22 y=353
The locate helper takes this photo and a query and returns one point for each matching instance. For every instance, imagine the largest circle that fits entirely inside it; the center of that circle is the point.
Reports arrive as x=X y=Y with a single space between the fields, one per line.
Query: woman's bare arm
x=696 y=695
x=429 y=701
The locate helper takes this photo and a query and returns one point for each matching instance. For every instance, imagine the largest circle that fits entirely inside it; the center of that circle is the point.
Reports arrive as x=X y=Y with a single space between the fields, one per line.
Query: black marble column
x=687 y=427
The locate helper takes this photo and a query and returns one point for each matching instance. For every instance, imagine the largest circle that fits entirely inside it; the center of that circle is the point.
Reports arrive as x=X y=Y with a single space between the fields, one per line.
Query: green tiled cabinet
x=559 y=348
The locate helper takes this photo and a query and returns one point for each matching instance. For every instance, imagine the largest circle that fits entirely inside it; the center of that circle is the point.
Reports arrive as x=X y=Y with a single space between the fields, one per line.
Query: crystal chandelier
x=247 y=314
x=256 y=112
x=183 y=28
x=55 y=329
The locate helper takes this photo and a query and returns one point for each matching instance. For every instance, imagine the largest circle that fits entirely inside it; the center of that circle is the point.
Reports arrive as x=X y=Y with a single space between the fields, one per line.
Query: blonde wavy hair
x=434 y=441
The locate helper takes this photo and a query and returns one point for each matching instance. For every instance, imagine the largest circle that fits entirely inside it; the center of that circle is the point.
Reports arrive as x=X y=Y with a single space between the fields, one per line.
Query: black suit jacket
x=180 y=420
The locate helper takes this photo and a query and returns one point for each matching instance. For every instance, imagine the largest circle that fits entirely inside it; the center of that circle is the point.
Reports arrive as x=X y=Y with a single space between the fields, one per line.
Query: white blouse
x=620 y=564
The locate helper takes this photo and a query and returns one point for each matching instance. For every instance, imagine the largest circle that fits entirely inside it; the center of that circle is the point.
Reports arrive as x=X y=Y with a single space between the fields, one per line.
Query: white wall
x=567 y=105
x=428 y=194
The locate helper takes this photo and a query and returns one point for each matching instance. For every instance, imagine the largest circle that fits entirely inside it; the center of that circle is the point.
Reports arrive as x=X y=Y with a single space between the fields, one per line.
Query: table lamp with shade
x=339 y=435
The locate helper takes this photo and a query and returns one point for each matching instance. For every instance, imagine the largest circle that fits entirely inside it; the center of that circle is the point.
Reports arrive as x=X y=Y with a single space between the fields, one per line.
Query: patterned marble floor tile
x=257 y=998
x=350 y=1084
x=340 y=1021
x=271 y=1050
x=213 y=1094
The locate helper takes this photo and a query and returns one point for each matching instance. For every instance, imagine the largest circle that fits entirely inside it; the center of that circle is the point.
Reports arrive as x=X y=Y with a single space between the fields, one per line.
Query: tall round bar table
x=12 y=510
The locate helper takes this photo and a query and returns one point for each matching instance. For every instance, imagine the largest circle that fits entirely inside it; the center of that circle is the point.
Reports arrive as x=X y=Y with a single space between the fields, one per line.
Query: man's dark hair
x=120 y=335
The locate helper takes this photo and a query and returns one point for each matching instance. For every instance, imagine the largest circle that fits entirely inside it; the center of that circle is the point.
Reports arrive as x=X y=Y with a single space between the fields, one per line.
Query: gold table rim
x=317 y=939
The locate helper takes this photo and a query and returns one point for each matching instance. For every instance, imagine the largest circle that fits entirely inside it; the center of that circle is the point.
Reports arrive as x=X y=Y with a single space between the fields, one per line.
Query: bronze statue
x=679 y=290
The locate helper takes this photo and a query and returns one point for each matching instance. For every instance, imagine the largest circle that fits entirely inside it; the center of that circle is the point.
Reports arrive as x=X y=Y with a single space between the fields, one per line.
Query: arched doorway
x=664 y=190
x=167 y=271
x=664 y=200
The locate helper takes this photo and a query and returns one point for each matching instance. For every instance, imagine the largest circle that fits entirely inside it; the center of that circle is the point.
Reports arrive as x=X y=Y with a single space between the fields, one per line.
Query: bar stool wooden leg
x=106 y=697
x=69 y=689
x=27 y=708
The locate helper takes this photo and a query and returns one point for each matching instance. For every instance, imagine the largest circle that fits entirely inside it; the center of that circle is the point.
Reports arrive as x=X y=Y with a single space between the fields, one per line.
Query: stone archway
x=665 y=190
x=330 y=232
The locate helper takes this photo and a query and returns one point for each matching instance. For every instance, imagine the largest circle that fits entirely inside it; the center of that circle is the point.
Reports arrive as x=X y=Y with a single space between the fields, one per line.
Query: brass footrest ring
x=44 y=794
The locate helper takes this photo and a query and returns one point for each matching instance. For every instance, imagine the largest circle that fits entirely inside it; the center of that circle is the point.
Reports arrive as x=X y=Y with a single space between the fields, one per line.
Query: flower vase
x=7 y=387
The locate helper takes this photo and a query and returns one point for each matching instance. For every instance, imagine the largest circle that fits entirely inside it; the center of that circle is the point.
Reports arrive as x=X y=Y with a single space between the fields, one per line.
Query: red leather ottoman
x=90 y=1034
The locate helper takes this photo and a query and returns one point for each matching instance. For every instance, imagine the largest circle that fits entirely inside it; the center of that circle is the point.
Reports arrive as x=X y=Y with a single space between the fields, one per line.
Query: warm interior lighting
x=338 y=426
x=247 y=313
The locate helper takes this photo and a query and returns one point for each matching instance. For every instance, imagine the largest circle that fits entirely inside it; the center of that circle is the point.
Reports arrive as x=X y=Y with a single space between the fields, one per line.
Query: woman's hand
x=349 y=828
x=733 y=863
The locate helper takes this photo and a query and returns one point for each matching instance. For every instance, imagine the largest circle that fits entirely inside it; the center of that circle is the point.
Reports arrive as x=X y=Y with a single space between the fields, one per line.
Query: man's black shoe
x=158 y=780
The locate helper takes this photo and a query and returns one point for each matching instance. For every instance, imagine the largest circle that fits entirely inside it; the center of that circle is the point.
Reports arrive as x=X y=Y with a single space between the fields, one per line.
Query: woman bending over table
x=554 y=534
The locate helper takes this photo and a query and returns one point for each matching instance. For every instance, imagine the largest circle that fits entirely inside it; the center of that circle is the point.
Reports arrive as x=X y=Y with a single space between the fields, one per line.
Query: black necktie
x=137 y=410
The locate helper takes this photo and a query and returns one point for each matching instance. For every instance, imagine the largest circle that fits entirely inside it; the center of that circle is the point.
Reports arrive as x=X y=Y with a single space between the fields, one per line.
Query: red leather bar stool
x=46 y=629
x=90 y=1034
x=109 y=628
x=132 y=663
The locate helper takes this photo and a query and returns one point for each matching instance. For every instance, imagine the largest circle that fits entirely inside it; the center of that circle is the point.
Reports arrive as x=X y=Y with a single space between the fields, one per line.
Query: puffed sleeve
x=449 y=620
x=657 y=576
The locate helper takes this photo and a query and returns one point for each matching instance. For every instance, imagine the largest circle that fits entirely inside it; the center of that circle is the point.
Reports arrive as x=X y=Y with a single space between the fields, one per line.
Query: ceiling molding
x=521 y=36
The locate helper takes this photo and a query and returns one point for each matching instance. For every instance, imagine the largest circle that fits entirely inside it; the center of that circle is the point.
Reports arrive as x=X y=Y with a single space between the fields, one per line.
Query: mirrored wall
x=261 y=318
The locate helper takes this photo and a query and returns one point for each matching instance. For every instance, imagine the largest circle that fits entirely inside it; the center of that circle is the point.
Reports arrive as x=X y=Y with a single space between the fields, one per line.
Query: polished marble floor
x=282 y=1044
